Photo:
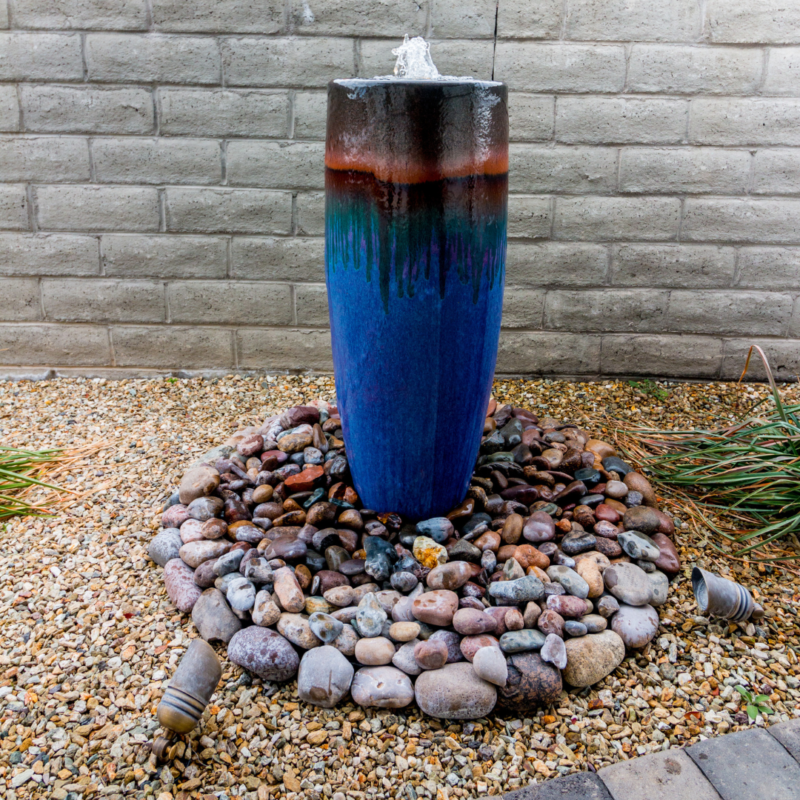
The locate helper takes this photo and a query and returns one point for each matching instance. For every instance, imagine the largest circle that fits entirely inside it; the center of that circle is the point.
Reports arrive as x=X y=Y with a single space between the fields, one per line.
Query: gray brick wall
x=161 y=175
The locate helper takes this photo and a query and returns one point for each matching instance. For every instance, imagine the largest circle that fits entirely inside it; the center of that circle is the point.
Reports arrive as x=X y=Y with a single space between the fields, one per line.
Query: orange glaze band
x=391 y=171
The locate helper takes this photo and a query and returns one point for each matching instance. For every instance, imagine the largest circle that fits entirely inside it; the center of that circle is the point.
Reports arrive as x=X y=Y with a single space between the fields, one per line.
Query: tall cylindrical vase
x=416 y=179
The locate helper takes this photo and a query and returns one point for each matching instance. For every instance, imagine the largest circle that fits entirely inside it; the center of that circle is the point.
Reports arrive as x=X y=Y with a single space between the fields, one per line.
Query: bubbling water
x=414 y=62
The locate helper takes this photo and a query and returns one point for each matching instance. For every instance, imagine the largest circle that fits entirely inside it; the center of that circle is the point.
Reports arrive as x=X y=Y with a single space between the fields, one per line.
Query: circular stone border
x=552 y=566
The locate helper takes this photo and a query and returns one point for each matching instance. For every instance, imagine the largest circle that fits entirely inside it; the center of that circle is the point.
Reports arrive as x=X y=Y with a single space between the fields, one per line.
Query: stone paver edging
x=757 y=764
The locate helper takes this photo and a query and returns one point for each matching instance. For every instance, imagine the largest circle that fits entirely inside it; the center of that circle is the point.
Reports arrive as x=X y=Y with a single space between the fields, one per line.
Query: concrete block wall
x=161 y=175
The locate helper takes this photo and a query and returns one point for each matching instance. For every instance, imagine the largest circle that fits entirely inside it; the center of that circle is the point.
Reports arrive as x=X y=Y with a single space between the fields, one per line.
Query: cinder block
x=173 y=347
x=277 y=165
x=19 y=300
x=25 y=254
x=95 y=208
x=624 y=310
x=278 y=259
x=783 y=356
x=634 y=20
x=744 y=121
x=219 y=16
x=311 y=305
x=310 y=115
x=767 y=221
x=729 y=313
x=129 y=160
x=531 y=117
x=794 y=325
x=577 y=170
x=703 y=170
x=9 y=108
x=676 y=266
x=126 y=58
x=44 y=158
x=617 y=218
x=468 y=19
x=13 y=207
x=529 y=217
x=546 y=353
x=132 y=256
x=130 y=15
x=556 y=264
x=538 y=67
x=287 y=62
x=40 y=57
x=606 y=120
x=525 y=20
x=661 y=356
x=284 y=349
x=777 y=171
x=523 y=308
x=230 y=302
x=101 y=300
x=686 y=70
x=742 y=21
x=4 y=14
x=769 y=268
x=71 y=109
x=360 y=17
x=472 y=57
x=228 y=211
x=198 y=112
x=54 y=345
x=310 y=214
x=783 y=72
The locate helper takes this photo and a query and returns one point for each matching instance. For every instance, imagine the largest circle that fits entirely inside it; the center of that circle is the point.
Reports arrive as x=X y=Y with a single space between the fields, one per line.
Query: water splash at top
x=414 y=62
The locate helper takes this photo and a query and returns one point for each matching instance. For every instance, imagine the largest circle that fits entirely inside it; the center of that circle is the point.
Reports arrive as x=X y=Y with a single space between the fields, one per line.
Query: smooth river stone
x=428 y=552
x=324 y=677
x=569 y=607
x=594 y=623
x=642 y=519
x=381 y=687
x=638 y=545
x=180 y=585
x=490 y=664
x=213 y=617
x=195 y=553
x=264 y=653
x=174 y=516
x=629 y=584
x=404 y=658
x=205 y=508
x=165 y=546
x=469 y=622
x=403 y=611
x=241 y=594
x=539 y=527
x=431 y=654
x=324 y=626
x=521 y=641
x=198 y=482
x=440 y=529
x=452 y=641
x=455 y=692
x=607 y=605
x=636 y=625
x=404 y=631
x=374 y=652
x=436 y=607
x=551 y=622
x=288 y=590
x=668 y=560
x=192 y=531
x=471 y=644
x=637 y=482
x=265 y=610
x=452 y=575
x=660 y=583
x=531 y=683
x=554 y=651
x=296 y=629
x=590 y=658
x=370 y=616
x=339 y=596
x=519 y=591
x=346 y=641
x=569 y=579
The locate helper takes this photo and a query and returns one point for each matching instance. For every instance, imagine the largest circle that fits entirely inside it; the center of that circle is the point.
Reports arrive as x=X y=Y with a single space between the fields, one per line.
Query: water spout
x=414 y=62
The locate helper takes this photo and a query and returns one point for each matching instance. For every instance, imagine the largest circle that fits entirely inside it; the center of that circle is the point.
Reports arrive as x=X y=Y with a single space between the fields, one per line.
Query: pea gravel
x=89 y=638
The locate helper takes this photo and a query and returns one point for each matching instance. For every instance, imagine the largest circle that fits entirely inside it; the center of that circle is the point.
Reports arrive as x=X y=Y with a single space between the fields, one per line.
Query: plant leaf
x=752 y=711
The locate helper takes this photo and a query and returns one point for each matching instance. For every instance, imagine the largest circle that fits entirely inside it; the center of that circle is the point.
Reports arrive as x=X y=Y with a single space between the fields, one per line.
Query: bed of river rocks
x=555 y=563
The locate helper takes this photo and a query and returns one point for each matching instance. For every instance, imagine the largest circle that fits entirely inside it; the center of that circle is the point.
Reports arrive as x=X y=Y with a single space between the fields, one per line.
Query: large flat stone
x=580 y=786
x=667 y=775
x=788 y=734
x=747 y=765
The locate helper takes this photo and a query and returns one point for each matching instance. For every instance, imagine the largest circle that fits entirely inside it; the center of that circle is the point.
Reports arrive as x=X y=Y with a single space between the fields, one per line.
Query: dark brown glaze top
x=416 y=131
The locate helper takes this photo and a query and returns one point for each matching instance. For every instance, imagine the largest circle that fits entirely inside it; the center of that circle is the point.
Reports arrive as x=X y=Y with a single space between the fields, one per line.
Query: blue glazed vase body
x=415 y=227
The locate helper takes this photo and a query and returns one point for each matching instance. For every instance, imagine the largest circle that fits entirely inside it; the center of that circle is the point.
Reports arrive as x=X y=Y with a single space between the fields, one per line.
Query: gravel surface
x=89 y=637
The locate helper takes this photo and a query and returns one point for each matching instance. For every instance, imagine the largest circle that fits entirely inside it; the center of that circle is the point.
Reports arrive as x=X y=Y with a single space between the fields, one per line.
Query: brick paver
x=580 y=786
x=788 y=734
